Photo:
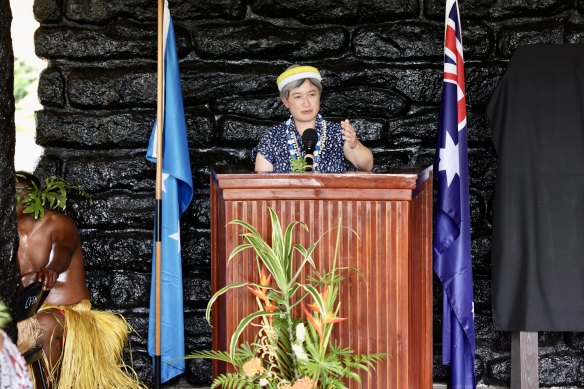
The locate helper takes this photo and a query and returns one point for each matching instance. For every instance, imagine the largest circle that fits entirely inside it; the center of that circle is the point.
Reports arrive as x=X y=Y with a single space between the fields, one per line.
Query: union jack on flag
x=452 y=244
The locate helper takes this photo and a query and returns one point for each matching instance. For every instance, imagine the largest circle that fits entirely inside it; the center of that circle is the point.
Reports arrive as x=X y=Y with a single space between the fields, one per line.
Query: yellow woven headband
x=297 y=73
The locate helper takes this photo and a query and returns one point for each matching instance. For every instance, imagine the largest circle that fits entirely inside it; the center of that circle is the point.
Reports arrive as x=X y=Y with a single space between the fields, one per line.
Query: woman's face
x=303 y=103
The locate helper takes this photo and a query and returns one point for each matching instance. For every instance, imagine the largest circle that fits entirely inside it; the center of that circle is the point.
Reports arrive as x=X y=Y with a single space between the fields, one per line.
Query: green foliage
x=288 y=352
x=24 y=75
x=52 y=196
x=298 y=165
x=4 y=315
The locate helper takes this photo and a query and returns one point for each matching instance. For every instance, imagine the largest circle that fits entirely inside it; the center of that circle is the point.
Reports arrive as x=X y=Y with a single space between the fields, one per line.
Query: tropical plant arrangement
x=288 y=351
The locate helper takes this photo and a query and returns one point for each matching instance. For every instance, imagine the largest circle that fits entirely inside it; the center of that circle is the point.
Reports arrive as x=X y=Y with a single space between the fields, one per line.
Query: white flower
x=263 y=382
x=300 y=332
x=299 y=351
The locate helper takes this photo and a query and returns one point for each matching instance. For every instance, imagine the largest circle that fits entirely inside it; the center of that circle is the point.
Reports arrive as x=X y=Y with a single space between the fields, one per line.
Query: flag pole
x=158 y=206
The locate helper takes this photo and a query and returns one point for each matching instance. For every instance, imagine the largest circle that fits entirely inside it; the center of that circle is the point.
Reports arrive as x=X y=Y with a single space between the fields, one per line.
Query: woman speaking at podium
x=330 y=146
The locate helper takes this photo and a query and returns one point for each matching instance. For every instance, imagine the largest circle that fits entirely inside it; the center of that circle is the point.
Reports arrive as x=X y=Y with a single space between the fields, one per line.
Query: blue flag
x=177 y=192
x=452 y=244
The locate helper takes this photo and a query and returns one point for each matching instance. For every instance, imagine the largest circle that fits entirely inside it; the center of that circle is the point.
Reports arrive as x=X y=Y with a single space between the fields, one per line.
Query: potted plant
x=288 y=351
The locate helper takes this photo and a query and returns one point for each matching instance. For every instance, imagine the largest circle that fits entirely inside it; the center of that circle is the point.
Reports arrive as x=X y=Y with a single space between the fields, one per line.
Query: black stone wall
x=382 y=63
x=8 y=236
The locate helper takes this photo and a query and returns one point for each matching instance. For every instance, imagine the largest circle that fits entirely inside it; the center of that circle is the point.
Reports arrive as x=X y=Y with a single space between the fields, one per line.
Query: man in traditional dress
x=82 y=347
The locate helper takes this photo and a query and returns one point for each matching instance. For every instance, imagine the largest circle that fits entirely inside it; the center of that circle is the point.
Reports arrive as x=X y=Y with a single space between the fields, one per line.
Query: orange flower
x=260 y=292
x=315 y=322
x=265 y=281
x=331 y=319
x=253 y=367
x=304 y=383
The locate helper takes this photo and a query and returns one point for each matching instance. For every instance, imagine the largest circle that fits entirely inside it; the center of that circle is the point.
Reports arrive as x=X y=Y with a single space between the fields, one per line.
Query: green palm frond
x=232 y=381
x=210 y=354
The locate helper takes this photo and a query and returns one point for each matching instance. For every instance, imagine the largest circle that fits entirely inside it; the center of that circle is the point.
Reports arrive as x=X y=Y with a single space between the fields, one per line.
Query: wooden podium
x=391 y=214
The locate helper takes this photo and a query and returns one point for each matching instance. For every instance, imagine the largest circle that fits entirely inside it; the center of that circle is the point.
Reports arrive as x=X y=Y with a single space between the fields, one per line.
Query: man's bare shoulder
x=57 y=219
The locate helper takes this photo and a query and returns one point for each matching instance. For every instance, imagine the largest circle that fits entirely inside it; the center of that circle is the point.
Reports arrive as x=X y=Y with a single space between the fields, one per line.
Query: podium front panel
x=387 y=237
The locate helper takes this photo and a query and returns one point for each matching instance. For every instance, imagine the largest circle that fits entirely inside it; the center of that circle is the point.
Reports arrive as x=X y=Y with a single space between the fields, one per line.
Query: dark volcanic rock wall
x=8 y=238
x=381 y=61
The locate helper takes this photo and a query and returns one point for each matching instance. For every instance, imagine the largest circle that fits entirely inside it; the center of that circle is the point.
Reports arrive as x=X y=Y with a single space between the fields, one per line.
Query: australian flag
x=177 y=192
x=452 y=244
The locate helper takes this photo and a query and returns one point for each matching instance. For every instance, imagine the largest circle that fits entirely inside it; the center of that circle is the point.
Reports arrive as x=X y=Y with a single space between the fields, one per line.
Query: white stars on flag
x=164 y=177
x=176 y=236
x=449 y=159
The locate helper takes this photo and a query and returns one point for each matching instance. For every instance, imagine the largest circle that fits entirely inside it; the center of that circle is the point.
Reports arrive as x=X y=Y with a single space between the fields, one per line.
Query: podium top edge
x=410 y=176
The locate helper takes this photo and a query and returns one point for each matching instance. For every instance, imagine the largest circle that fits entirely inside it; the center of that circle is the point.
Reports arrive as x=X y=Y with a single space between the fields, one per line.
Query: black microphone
x=309 y=139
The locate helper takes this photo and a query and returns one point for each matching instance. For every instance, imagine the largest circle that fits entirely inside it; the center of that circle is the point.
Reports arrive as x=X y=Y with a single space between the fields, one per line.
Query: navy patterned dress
x=280 y=143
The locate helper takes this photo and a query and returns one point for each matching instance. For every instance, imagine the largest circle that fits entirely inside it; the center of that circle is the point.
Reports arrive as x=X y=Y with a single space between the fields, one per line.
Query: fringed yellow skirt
x=92 y=351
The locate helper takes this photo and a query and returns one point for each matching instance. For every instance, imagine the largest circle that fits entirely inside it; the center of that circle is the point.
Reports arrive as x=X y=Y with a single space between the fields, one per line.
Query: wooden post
x=524 y=360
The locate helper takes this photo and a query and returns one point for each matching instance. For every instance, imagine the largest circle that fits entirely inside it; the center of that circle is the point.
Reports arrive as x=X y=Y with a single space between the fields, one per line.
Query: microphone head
x=309 y=139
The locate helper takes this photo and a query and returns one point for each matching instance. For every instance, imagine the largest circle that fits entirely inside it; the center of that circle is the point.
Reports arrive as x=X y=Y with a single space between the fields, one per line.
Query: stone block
x=198 y=215
x=115 y=288
x=482 y=166
x=515 y=35
x=116 y=129
x=499 y=9
x=112 y=88
x=127 y=250
x=416 y=128
x=196 y=250
x=197 y=290
x=47 y=11
x=199 y=371
x=99 y=172
x=263 y=40
x=100 y=12
x=51 y=89
x=207 y=82
x=371 y=131
x=330 y=11
x=385 y=160
x=120 y=39
x=499 y=371
x=208 y=9
x=255 y=107
x=94 y=130
x=363 y=102
x=239 y=131
x=481 y=254
x=563 y=369
x=479 y=129
x=478 y=207
x=481 y=81
x=114 y=210
x=204 y=160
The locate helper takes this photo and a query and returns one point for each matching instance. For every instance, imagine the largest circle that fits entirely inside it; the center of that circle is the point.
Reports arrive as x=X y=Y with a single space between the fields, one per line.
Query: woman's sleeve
x=265 y=147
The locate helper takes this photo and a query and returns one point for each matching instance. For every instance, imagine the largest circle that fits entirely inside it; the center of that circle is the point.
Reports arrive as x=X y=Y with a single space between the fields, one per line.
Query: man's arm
x=64 y=238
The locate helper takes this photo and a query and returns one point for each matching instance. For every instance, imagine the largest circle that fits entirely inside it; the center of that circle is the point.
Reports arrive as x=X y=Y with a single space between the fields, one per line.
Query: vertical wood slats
x=390 y=312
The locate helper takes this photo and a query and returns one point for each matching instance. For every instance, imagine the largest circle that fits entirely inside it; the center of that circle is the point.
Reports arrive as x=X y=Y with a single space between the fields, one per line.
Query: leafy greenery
x=24 y=75
x=298 y=165
x=4 y=315
x=52 y=196
x=288 y=351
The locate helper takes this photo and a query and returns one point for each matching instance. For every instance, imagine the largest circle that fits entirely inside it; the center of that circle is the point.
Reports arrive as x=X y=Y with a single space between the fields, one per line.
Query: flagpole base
x=157 y=371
